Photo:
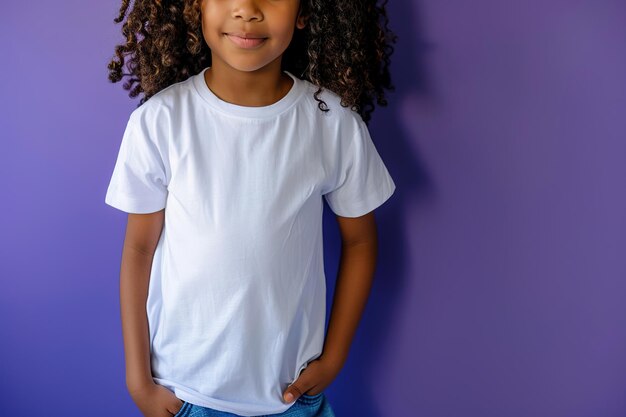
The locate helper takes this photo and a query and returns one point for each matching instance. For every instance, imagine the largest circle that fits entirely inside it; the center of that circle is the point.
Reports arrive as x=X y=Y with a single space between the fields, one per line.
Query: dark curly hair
x=345 y=47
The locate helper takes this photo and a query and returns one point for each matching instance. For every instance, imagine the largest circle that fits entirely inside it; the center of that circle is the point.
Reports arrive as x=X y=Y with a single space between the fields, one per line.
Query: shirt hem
x=203 y=401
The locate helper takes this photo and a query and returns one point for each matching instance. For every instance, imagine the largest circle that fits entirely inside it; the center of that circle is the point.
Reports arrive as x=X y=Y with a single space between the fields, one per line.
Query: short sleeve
x=363 y=180
x=139 y=182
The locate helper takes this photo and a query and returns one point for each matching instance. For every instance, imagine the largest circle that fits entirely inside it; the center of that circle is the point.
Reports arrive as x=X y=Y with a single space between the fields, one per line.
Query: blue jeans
x=305 y=406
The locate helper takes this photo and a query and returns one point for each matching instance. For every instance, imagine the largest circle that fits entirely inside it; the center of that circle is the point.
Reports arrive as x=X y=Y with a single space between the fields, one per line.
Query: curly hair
x=345 y=47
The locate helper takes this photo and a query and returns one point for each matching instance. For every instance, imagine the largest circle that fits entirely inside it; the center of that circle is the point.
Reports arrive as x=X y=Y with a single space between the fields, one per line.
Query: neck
x=257 y=88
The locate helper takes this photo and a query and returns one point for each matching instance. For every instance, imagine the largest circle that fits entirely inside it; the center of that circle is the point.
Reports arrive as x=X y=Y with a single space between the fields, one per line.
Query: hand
x=313 y=379
x=155 y=400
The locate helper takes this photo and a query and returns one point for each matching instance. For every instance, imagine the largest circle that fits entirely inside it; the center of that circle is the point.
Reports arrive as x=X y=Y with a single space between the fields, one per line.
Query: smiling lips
x=245 y=40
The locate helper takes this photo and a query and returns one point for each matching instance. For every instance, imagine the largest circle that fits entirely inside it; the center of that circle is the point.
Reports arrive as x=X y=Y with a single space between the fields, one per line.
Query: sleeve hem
x=134 y=205
x=365 y=205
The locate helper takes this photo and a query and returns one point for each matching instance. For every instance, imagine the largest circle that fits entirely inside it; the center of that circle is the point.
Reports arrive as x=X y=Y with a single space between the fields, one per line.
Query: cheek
x=209 y=30
x=210 y=19
x=285 y=34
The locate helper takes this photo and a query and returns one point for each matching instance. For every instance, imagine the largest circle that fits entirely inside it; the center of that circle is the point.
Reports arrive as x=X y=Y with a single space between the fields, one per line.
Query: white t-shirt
x=237 y=293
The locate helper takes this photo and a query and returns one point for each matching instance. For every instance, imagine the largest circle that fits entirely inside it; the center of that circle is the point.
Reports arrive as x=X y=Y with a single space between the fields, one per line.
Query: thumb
x=292 y=392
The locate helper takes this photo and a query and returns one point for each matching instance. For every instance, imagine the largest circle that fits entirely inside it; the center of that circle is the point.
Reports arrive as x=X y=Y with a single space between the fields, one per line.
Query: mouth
x=245 y=35
x=245 y=40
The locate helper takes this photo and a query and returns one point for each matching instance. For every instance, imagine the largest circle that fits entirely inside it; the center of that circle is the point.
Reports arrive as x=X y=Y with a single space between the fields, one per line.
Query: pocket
x=311 y=399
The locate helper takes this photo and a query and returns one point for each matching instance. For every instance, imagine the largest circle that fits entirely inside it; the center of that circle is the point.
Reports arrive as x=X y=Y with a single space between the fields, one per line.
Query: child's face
x=274 y=20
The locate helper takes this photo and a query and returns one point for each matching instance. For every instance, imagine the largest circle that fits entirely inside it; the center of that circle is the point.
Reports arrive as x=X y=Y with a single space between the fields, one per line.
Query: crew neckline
x=248 y=111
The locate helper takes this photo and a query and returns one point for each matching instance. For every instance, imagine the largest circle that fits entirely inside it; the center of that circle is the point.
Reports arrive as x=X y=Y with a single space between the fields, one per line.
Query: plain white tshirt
x=237 y=294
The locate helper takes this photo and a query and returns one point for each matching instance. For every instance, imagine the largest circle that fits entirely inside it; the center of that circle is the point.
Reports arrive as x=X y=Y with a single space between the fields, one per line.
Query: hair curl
x=345 y=47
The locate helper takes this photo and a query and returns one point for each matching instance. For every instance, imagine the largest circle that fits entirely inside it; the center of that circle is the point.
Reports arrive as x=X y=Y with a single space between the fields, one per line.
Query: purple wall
x=501 y=279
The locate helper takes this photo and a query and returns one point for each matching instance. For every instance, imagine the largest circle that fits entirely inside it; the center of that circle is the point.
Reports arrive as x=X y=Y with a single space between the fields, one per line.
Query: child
x=222 y=169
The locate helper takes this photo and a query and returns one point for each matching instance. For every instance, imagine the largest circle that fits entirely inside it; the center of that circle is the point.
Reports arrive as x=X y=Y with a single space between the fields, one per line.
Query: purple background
x=500 y=287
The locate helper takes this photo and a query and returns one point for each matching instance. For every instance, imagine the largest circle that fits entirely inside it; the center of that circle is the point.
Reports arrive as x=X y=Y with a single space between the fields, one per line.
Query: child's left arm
x=359 y=250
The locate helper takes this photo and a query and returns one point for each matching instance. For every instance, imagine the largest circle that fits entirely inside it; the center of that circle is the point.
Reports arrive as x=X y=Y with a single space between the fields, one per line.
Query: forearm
x=354 y=281
x=134 y=280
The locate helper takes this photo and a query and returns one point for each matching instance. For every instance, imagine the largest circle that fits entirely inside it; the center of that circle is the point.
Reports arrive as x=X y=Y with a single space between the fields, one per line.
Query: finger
x=292 y=393
x=176 y=407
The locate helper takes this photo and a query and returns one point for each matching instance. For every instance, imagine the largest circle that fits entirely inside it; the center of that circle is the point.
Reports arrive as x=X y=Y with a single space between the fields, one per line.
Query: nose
x=247 y=10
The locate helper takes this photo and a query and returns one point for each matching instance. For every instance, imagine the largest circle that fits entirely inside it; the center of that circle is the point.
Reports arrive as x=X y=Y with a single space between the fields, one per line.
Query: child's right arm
x=142 y=235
